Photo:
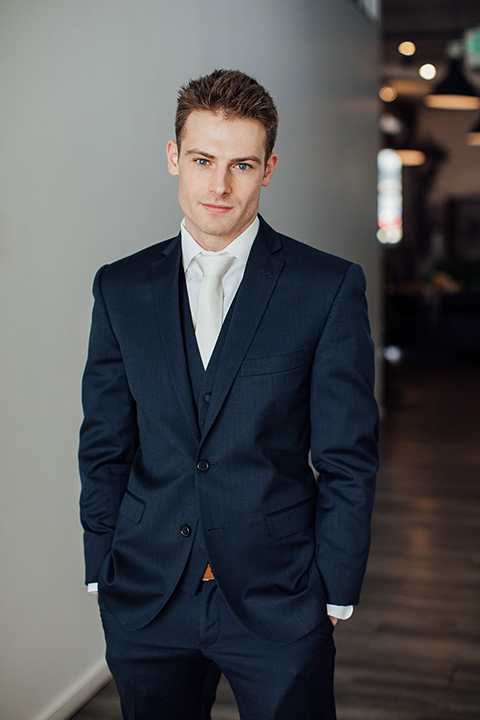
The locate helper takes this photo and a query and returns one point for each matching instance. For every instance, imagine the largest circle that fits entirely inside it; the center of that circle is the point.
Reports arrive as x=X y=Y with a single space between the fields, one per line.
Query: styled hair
x=232 y=94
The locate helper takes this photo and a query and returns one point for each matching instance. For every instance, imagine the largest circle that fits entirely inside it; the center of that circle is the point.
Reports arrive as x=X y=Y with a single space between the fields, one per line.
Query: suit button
x=185 y=531
x=203 y=465
x=207 y=397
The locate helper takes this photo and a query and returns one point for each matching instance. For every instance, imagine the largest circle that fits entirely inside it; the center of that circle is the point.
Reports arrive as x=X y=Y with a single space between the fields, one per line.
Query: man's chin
x=219 y=226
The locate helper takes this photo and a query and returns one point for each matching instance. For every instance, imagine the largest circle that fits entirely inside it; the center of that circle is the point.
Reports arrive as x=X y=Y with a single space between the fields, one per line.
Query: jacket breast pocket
x=132 y=508
x=291 y=520
x=275 y=364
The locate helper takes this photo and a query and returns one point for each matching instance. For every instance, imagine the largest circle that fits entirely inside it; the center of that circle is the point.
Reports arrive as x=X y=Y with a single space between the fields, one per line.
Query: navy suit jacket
x=295 y=381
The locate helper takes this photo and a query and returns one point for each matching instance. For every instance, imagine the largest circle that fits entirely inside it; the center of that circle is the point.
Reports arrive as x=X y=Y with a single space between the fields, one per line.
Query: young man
x=220 y=361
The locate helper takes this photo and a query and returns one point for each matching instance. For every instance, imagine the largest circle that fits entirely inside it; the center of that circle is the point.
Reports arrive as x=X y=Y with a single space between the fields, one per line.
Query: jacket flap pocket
x=132 y=508
x=292 y=520
x=275 y=364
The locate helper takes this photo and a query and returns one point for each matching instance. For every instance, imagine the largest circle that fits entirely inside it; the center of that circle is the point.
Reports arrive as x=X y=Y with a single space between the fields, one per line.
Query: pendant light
x=473 y=137
x=411 y=157
x=455 y=91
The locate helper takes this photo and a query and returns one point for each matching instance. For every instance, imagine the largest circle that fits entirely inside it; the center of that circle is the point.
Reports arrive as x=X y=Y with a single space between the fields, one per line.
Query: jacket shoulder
x=139 y=263
x=309 y=255
x=147 y=255
x=304 y=255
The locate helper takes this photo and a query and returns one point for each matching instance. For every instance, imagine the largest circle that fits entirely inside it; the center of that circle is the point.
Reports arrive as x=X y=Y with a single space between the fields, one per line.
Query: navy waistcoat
x=201 y=382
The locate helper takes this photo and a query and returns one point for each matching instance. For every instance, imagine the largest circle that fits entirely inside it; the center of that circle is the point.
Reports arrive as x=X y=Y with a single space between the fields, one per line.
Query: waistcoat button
x=185 y=530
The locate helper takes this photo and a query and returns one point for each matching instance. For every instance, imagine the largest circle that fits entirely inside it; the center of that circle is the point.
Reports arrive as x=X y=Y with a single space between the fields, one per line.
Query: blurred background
x=430 y=116
x=379 y=148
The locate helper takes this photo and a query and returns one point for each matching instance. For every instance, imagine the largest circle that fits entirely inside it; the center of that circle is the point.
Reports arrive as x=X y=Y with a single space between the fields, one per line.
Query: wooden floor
x=412 y=649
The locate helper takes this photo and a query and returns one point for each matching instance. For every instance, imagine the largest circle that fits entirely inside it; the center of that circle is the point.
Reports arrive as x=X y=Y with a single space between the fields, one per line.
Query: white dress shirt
x=240 y=250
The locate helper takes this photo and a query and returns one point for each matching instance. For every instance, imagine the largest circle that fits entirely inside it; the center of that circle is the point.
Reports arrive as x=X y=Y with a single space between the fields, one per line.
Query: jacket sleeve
x=108 y=436
x=344 y=423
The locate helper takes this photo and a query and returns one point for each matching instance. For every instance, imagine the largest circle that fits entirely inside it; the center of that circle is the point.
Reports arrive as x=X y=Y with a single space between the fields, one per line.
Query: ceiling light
x=427 y=71
x=455 y=91
x=411 y=158
x=473 y=137
x=407 y=48
x=387 y=93
x=390 y=124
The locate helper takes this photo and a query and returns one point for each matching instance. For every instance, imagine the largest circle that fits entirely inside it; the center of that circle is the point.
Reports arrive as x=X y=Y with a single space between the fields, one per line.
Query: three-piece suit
x=182 y=465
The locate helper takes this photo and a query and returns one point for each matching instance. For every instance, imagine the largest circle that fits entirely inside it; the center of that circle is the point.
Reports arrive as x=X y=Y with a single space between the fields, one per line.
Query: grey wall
x=89 y=89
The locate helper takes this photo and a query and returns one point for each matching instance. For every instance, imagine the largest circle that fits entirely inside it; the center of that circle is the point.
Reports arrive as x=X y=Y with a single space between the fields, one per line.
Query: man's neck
x=213 y=243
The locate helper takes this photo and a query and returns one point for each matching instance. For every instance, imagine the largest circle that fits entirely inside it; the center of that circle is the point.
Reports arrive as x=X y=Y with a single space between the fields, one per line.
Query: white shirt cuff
x=342 y=612
x=92 y=588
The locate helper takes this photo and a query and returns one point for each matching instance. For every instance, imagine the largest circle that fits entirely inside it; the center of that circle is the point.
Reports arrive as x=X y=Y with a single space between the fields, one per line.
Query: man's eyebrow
x=196 y=151
x=248 y=158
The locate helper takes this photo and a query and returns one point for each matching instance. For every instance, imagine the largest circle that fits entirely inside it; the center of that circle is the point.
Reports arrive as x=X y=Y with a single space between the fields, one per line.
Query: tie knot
x=214 y=265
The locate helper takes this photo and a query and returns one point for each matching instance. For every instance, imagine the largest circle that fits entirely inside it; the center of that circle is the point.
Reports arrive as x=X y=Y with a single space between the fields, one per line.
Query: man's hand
x=333 y=619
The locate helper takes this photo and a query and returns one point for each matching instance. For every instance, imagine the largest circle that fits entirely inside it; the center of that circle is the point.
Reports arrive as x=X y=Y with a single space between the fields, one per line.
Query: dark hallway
x=413 y=651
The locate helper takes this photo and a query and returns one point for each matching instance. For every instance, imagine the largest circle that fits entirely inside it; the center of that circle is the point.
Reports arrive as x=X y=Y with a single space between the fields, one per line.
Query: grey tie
x=210 y=302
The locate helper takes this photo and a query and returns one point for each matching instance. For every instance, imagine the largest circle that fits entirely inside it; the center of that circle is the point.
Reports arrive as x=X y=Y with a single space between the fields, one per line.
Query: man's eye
x=243 y=166
x=202 y=161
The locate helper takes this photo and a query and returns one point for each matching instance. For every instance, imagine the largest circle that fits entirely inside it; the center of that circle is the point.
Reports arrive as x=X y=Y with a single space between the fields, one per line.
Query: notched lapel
x=260 y=278
x=165 y=275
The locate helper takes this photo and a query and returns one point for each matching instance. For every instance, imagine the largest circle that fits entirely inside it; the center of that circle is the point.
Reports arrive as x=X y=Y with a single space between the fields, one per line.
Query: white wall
x=89 y=90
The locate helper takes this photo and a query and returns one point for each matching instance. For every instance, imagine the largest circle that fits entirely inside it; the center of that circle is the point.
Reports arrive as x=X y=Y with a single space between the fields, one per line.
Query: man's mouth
x=216 y=209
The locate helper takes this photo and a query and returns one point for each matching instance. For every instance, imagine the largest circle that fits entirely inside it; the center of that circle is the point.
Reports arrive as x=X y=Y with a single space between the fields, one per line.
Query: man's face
x=221 y=169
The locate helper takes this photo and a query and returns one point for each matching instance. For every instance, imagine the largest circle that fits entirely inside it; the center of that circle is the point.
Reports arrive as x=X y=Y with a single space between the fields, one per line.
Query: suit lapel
x=260 y=278
x=165 y=276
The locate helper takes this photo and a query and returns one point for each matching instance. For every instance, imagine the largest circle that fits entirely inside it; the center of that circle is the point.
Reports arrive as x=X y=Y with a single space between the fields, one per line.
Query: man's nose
x=220 y=181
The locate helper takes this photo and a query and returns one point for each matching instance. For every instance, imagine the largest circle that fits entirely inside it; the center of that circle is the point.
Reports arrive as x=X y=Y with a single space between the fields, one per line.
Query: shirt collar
x=239 y=248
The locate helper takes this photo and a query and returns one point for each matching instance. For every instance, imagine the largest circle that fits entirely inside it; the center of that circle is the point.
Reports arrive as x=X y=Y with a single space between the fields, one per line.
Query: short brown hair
x=230 y=93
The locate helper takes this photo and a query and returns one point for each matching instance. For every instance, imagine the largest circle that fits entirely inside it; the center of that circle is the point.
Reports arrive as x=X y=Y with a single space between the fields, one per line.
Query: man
x=220 y=361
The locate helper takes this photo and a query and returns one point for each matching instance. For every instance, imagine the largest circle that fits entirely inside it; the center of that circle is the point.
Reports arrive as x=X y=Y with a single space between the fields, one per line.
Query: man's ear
x=269 y=168
x=172 y=157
